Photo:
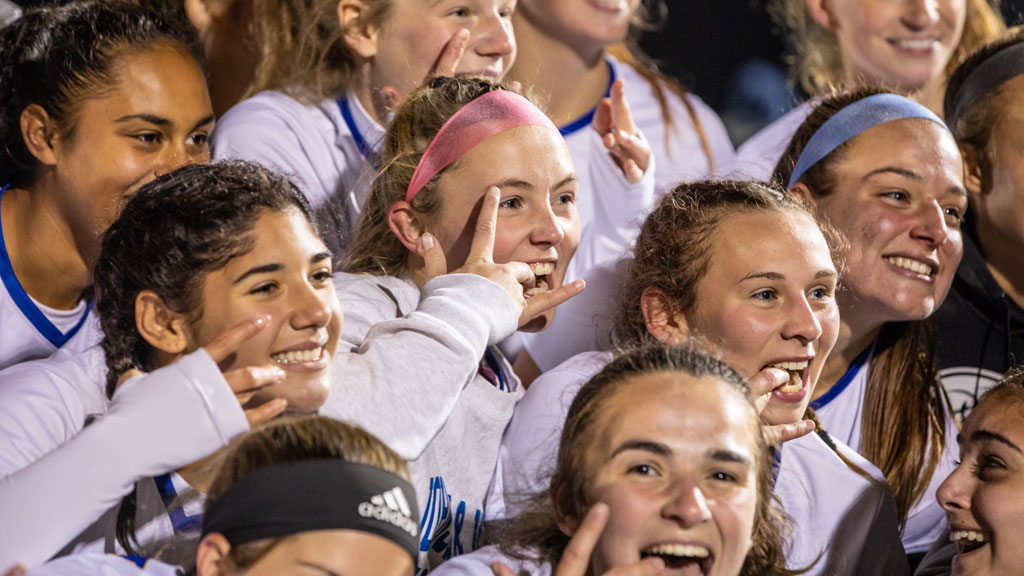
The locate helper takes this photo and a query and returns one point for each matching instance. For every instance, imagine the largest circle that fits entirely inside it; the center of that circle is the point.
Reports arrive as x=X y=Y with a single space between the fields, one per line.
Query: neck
x=53 y=272
x=1002 y=257
x=200 y=475
x=370 y=98
x=932 y=94
x=572 y=80
x=853 y=339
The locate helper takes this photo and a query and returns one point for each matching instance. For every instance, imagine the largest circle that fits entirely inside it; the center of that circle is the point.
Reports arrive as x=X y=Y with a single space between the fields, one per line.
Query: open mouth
x=298 y=356
x=678 y=556
x=542 y=271
x=914 y=44
x=967 y=540
x=796 y=375
x=910 y=264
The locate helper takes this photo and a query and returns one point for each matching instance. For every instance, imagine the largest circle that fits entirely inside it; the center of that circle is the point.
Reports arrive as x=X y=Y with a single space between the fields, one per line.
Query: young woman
x=222 y=258
x=97 y=99
x=767 y=312
x=909 y=47
x=665 y=443
x=887 y=173
x=329 y=77
x=981 y=325
x=982 y=496
x=290 y=471
x=438 y=177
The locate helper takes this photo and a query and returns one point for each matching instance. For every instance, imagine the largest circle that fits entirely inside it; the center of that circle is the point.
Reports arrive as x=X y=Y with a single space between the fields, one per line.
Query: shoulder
x=478 y=563
x=757 y=156
x=107 y=564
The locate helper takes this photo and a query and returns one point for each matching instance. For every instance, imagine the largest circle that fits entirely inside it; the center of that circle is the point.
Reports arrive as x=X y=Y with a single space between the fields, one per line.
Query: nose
x=687 y=505
x=548 y=229
x=802 y=323
x=309 y=308
x=920 y=14
x=930 y=226
x=955 y=492
x=492 y=36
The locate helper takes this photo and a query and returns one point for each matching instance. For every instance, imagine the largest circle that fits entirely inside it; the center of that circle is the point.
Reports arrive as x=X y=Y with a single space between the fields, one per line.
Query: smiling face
x=1001 y=207
x=896 y=44
x=155 y=118
x=414 y=33
x=982 y=497
x=899 y=199
x=286 y=275
x=590 y=23
x=537 y=219
x=770 y=306
x=676 y=464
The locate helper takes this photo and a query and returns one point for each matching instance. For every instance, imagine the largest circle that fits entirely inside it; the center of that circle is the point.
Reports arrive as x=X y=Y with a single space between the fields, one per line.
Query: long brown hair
x=903 y=389
x=302 y=47
x=535 y=534
x=814 y=60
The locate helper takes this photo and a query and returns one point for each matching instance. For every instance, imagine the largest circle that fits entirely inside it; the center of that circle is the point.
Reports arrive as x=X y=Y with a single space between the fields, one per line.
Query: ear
x=163 y=328
x=212 y=555
x=566 y=524
x=407 y=225
x=801 y=191
x=360 y=35
x=973 y=173
x=661 y=322
x=821 y=11
x=40 y=134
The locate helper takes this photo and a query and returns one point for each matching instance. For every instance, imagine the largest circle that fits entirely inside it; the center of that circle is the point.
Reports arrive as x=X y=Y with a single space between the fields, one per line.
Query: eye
x=512 y=202
x=199 y=139
x=264 y=289
x=954 y=215
x=897 y=195
x=322 y=275
x=148 y=137
x=462 y=12
x=723 y=476
x=506 y=12
x=642 y=470
x=566 y=198
x=766 y=295
x=820 y=293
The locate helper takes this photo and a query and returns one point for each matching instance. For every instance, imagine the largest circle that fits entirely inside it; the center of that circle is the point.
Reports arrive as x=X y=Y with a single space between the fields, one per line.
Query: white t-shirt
x=841 y=411
x=29 y=330
x=105 y=565
x=756 y=158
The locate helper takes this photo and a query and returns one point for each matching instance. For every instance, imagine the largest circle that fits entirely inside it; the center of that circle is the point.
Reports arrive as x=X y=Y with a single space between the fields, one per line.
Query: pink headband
x=475 y=122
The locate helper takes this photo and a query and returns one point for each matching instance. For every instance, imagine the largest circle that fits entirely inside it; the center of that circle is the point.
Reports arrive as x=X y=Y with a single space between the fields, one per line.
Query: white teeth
x=681 y=550
x=297 y=356
x=542 y=268
x=969 y=535
x=611 y=4
x=541 y=287
x=791 y=365
x=912 y=265
x=916 y=44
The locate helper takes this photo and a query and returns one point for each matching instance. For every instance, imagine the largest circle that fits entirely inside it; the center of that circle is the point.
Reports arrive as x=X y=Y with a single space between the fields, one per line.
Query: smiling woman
x=97 y=100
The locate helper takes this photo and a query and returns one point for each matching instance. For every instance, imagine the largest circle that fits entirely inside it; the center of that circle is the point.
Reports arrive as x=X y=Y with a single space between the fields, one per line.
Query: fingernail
x=427 y=242
x=279 y=374
x=262 y=320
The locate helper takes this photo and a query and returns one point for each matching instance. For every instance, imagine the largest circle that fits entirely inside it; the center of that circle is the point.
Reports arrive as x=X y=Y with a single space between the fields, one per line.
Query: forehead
x=913 y=144
x=759 y=240
x=532 y=153
x=1002 y=414
x=689 y=415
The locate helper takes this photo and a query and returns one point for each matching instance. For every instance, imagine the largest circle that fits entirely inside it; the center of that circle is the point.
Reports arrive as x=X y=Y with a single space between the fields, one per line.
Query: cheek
x=740 y=334
x=735 y=518
x=629 y=512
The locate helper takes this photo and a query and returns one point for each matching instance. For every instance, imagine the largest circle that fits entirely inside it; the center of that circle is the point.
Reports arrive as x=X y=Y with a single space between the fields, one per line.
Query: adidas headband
x=307 y=495
x=854 y=120
x=998 y=68
x=490 y=114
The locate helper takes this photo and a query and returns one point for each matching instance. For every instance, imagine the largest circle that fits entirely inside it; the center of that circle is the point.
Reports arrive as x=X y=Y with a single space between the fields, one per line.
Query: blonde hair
x=302 y=46
x=816 y=65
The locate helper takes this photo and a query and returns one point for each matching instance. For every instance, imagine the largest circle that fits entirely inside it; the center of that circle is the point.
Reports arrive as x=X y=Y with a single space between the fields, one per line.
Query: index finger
x=228 y=341
x=576 y=558
x=622 y=116
x=482 y=249
x=451 y=54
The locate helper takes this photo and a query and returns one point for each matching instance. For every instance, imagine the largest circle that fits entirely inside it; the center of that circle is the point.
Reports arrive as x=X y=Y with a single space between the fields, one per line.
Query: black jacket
x=980 y=332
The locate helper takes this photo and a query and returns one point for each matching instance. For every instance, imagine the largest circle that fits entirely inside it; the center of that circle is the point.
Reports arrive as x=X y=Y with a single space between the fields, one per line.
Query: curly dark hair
x=170 y=235
x=56 y=57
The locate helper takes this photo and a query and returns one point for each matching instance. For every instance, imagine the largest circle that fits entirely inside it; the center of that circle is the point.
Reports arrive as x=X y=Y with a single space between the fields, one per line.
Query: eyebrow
x=644 y=445
x=160 y=121
x=894 y=170
x=316 y=567
x=275 y=267
x=983 y=435
x=730 y=456
x=522 y=184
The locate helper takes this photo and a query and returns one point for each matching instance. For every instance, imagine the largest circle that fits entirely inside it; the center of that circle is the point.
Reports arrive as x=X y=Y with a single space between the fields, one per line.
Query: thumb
x=434 y=262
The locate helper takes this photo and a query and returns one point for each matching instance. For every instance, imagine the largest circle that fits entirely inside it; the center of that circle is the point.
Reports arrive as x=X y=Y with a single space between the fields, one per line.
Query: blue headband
x=998 y=68
x=854 y=120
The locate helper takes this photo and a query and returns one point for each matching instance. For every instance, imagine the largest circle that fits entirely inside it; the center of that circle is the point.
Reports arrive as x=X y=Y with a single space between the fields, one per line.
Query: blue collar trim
x=24 y=302
x=369 y=154
x=586 y=119
x=181 y=521
x=851 y=372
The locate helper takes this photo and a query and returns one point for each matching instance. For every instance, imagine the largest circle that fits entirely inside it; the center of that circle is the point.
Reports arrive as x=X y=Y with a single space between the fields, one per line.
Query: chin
x=304 y=397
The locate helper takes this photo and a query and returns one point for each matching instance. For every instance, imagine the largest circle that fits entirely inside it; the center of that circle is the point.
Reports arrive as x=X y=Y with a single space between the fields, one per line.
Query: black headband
x=995 y=70
x=308 y=495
